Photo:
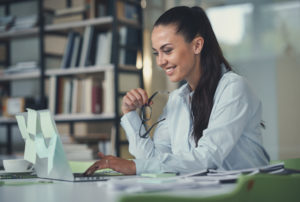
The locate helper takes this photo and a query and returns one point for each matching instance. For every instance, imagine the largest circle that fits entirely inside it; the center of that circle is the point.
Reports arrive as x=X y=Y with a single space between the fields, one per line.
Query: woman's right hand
x=134 y=99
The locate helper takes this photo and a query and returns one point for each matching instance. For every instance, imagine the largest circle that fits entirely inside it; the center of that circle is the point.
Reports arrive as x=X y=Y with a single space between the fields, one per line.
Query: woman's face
x=179 y=59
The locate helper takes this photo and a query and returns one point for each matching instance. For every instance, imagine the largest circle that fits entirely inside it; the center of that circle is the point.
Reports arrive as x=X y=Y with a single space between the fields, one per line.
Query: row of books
x=94 y=48
x=79 y=95
x=89 y=9
x=88 y=139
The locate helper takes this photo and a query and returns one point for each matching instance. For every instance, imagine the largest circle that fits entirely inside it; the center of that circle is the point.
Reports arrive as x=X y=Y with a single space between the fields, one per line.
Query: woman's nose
x=161 y=60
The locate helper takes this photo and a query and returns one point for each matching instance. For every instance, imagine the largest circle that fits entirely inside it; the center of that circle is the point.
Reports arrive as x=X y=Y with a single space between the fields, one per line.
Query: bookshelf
x=116 y=66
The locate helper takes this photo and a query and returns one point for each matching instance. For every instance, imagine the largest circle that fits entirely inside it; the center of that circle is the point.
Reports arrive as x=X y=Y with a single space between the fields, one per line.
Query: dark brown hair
x=192 y=22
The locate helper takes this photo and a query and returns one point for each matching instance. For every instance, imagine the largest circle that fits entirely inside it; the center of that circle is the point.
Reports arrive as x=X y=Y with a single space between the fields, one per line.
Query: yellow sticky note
x=30 y=151
x=47 y=124
x=22 y=126
x=32 y=121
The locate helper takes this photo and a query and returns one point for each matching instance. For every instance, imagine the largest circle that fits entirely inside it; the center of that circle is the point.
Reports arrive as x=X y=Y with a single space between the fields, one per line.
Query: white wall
x=261 y=75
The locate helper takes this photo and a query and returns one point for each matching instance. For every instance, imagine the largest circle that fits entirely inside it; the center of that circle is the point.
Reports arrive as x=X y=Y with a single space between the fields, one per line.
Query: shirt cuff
x=131 y=122
x=138 y=166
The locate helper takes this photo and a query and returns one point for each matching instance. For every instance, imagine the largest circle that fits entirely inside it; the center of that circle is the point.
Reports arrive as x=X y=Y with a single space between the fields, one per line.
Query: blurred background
x=260 y=39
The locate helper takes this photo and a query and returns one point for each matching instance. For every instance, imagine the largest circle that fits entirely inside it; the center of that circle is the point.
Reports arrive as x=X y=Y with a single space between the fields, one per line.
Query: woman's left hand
x=124 y=166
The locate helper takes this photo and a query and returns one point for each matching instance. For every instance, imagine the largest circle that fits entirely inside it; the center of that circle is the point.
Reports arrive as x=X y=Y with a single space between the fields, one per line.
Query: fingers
x=92 y=169
x=134 y=99
x=101 y=164
x=101 y=155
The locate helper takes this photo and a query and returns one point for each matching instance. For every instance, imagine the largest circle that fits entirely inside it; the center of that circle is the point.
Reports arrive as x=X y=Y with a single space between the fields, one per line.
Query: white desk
x=60 y=191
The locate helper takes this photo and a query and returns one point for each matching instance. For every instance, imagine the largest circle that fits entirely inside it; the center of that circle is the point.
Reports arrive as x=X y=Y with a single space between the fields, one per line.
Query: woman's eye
x=155 y=53
x=168 y=51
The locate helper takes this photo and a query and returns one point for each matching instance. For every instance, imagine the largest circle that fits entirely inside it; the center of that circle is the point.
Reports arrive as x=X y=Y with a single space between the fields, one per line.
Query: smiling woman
x=213 y=121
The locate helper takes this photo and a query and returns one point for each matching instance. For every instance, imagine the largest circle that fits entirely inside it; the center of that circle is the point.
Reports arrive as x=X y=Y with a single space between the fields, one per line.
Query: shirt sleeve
x=146 y=147
x=232 y=110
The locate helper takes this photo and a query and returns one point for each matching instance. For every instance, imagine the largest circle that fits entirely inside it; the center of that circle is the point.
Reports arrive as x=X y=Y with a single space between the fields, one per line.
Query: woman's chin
x=174 y=79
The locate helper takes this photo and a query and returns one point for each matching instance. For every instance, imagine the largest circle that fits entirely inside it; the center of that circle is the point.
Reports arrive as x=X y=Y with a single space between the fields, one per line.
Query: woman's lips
x=170 y=70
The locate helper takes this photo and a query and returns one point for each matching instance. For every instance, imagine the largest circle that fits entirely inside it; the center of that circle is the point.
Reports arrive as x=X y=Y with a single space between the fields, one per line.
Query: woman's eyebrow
x=162 y=47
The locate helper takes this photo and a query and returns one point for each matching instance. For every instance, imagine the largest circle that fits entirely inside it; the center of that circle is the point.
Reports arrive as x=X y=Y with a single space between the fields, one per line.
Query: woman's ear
x=198 y=43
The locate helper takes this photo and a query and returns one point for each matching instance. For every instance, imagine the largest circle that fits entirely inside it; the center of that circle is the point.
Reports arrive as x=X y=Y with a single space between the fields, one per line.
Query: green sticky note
x=47 y=124
x=30 y=151
x=22 y=126
x=41 y=147
x=32 y=121
x=51 y=152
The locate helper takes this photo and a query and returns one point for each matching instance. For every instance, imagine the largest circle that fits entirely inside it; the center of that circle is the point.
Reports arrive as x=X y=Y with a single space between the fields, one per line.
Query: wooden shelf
x=6 y=120
x=95 y=21
x=83 y=117
x=19 y=33
x=20 y=76
x=131 y=23
x=103 y=21
x=79 y=70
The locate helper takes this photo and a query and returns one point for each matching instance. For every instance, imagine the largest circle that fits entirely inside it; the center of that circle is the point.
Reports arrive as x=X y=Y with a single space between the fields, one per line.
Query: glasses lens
x=147 y=111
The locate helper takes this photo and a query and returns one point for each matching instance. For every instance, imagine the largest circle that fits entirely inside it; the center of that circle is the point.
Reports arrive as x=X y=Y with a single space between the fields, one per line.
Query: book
x=93 y=94
x=54 y=4
x=59 y=96
x=86 y=46
x=71 y=10
x=75 y=96
x=67 y=18
x=126 y=11
x=108 y=92
x=97 y=98
x=67 y=104
x=52 y=93
x=67 y=57
x=103 y=50
x=55 y=44
x=76 y=51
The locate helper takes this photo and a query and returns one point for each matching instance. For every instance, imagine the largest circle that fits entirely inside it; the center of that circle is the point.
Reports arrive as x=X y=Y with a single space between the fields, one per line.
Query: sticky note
x=22 y=126
x=51 y=152
x=32 y=121
x=30 y=151
x=41 y=147
x=47 y=124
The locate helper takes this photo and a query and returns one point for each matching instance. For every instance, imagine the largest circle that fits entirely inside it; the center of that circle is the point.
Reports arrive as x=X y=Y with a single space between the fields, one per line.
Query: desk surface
x=84 y=191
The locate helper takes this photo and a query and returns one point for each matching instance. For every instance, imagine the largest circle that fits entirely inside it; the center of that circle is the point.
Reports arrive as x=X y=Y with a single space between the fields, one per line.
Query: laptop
x=43 y=148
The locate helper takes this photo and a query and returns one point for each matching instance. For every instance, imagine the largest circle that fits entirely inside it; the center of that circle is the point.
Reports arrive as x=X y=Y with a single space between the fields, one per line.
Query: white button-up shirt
x=231 y=141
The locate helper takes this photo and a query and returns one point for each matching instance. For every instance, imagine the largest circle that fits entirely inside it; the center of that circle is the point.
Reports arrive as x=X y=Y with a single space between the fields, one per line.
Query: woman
x=213 y=121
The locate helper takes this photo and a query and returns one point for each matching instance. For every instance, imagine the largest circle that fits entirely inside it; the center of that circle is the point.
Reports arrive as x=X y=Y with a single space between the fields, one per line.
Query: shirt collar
x=184 y=90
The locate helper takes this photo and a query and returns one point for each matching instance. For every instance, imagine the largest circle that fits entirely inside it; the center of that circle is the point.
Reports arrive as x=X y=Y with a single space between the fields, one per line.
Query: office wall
x=288 y=72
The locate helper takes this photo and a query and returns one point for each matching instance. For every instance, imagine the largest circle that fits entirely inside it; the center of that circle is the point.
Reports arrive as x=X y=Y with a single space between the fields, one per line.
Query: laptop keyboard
x=80 y=177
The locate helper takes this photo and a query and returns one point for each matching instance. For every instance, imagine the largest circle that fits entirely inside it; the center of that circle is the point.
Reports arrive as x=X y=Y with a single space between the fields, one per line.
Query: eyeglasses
x=146 y=113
